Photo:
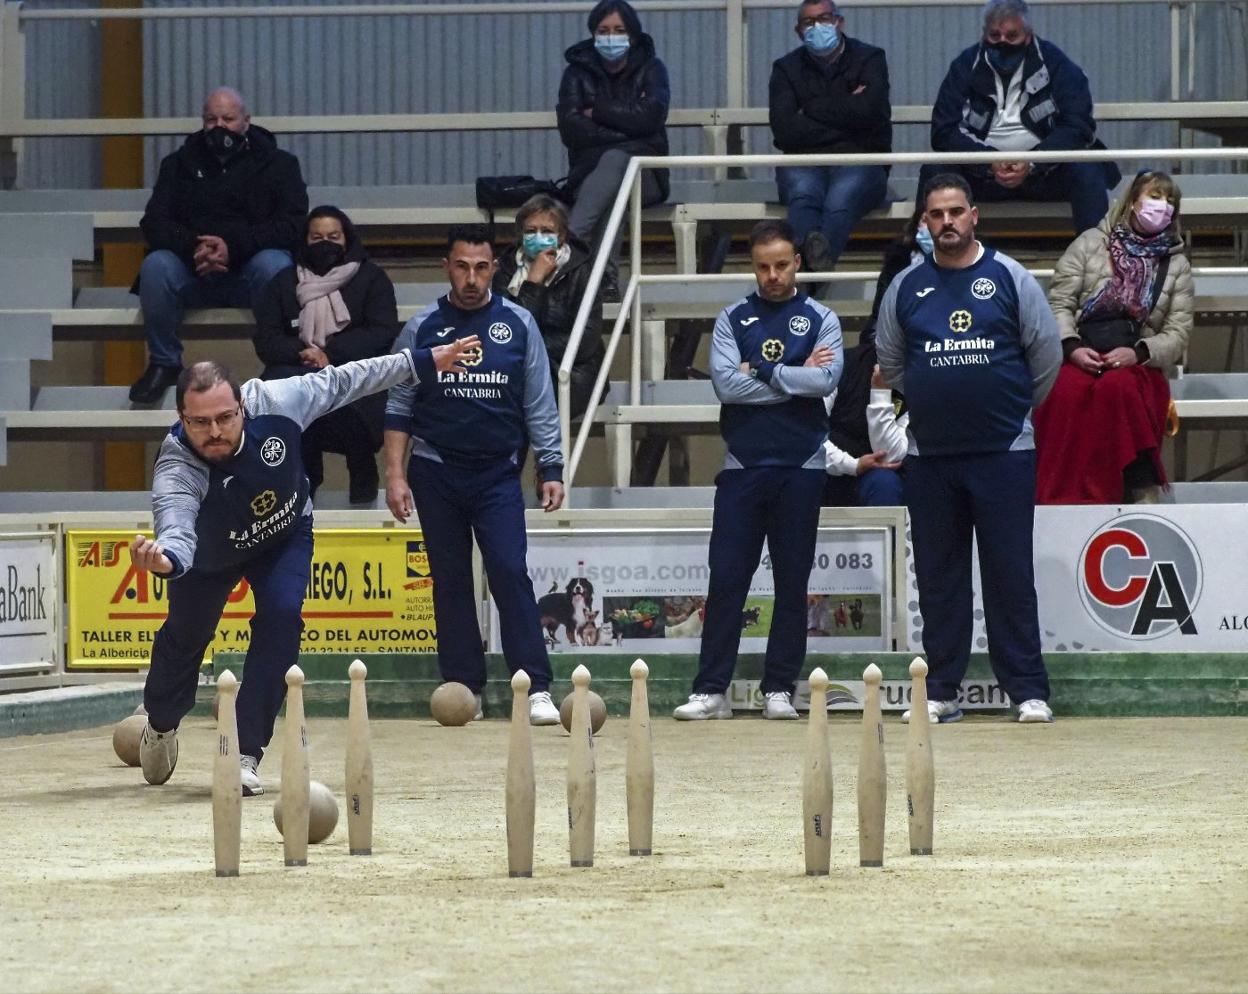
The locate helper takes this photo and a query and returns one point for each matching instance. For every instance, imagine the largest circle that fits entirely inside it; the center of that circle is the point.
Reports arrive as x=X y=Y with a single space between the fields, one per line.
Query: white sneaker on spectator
x=701 y=707
x=253 y=786
x=542 y=710
x=938 y=713
x=477 y=700
x=158 y=754
x=778 y=705
x=1034 y=710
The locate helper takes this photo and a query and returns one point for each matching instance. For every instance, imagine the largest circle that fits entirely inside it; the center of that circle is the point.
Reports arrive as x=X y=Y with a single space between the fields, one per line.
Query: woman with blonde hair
x=1122 y=295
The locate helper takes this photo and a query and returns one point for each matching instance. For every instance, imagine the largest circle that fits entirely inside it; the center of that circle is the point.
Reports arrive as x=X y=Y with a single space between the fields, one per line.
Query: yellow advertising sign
x=370 y=591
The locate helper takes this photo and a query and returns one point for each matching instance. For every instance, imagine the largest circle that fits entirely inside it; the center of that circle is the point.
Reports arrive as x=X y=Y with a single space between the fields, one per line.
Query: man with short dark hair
x=452 y=445
x=829 y=95
x=967 y=335
x=230 y=502
x=227 y=209
x=1013 y=92
x=775 y=356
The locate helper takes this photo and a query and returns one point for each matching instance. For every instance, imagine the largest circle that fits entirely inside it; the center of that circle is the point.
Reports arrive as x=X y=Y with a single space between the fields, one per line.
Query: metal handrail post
x=634 y=265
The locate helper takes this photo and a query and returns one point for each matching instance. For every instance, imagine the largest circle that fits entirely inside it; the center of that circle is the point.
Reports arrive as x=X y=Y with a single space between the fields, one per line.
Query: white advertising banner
x=626 y=590
x=29 y=595
x=1143 y=578
x=847 y=695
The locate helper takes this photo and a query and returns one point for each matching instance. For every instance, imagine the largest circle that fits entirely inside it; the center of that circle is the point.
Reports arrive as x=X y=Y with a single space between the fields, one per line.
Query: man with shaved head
x=227 y=209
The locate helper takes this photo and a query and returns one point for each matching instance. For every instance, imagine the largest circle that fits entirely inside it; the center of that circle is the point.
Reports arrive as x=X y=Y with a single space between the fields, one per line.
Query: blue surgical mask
x=611 y=47
x=537 y=242
x=923 y=239
x=1006 y=58
x=821 y=39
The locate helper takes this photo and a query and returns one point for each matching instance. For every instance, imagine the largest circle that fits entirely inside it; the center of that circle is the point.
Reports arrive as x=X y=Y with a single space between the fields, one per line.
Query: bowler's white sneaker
x=702 y=707
x=542 y=710
x=778 y=705
x=1034 y=710
x=158 y=754
x=253 y=786
x=477 y=700
x=938 y=713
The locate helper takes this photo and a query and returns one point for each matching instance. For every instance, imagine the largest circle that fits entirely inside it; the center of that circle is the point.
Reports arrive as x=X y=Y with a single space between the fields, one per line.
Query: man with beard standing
x=967 y=335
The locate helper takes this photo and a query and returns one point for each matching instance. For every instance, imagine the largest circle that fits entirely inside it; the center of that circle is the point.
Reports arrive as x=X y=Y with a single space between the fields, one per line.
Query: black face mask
x=1004 y=57
x=223 y=142
x=321 y=257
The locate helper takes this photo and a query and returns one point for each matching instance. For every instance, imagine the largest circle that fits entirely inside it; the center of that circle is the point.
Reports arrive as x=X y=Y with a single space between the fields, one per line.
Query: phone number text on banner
x=370 y=591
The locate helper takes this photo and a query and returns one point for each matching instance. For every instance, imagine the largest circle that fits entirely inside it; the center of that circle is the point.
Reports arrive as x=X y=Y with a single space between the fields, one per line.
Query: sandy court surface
x=1103 y=854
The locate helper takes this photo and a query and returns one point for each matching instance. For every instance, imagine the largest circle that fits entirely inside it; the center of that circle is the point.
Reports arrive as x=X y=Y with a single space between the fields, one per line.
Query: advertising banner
x=646 y=590
x=1148 y=578
x=29 y=594
x=847 y=695
x=370 y=591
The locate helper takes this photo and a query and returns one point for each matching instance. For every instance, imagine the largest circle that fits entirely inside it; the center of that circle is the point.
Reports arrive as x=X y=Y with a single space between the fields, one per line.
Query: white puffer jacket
x=1086 y=266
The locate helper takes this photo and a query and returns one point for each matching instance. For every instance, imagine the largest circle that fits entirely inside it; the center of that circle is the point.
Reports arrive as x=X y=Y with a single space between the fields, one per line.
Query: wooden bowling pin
x=639 y=766
x=817 y=781
x=872 y=778
x=920 y=771
x=227 y=784
x=359 y=779
x=296 y=782
x=582 y=777
x=521 y=786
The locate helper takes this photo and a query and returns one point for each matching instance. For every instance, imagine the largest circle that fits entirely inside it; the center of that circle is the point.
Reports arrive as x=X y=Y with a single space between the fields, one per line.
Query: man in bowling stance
x=967 y=335
x=775 y=356
x=229 y=502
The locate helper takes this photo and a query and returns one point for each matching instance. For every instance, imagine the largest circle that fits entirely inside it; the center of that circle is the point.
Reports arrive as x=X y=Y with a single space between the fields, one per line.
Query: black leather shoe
x=151 y=386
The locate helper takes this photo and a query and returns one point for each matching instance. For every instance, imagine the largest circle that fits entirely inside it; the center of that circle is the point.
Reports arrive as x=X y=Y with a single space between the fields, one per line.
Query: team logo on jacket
x=773 y=350
x=960 y=321
x=799 y=325
x=473 y=357
x=273 y=451
x=263 y=503
x=500 y=332
x=982 y=289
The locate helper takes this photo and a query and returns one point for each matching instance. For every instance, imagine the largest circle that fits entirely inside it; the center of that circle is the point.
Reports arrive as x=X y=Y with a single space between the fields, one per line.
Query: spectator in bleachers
x=227 y=210
x=333 y=306
x=1122 y=295
x=547 y=273
x=867 y=424
x=829 y=95
x=1015 y=92
x=613 y=102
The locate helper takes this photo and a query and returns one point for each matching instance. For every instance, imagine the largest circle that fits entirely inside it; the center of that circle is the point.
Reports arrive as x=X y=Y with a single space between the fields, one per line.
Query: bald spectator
x=226 y=211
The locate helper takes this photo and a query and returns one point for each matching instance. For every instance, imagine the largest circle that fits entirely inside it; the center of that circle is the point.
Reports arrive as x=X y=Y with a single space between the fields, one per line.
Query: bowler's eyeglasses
x=222 y=421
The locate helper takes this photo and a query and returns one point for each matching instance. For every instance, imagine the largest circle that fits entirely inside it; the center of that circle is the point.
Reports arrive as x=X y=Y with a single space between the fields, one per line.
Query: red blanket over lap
x=1090 y=428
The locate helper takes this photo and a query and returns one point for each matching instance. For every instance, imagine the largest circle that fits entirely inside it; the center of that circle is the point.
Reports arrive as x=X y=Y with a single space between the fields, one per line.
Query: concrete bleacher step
x=55 y=236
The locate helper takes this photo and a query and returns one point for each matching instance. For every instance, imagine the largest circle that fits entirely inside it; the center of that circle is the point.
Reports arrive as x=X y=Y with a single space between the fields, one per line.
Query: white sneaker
x=703 y=706
x=938 y=713
x=158 y=754
x=252 y=784
x=542 y=710
x=1034 y=710
x=477 y=699
x=778 y=705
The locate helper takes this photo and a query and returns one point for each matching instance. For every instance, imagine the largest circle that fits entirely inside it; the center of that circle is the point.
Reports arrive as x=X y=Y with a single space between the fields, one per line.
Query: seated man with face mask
x=1014 y=92
x=226 y=211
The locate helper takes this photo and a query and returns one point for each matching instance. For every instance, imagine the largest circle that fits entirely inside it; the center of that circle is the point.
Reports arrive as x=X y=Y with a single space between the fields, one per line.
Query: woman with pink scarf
x=334 y=305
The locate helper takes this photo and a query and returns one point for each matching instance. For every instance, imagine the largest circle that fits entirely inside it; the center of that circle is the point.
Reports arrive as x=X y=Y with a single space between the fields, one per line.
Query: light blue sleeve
x=890 y=340
x=731 y=385
x=306 y=398
x=1041 y=339
x=801 y=381
x=541 y=415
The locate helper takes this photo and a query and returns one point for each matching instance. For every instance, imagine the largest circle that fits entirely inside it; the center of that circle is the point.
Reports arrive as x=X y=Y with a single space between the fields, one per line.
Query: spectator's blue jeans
x=830 y=199
x=167 y=287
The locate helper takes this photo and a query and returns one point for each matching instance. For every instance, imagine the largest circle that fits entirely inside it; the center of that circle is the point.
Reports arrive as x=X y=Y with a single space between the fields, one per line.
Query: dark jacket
x=812 y=106
x=257 y=200
x=374 y=325
x=1057 y=107
x=630 y=109
x=554 y=308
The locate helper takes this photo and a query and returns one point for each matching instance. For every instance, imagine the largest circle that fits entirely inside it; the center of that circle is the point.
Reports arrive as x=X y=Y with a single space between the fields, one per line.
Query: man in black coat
x=829 y=95
x=226 y=211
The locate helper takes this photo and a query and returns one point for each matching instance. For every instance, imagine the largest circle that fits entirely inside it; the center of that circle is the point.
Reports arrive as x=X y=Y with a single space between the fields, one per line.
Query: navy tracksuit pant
x=454 y=503
x=279 y=579
x=780 y=504
x=992 y=495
